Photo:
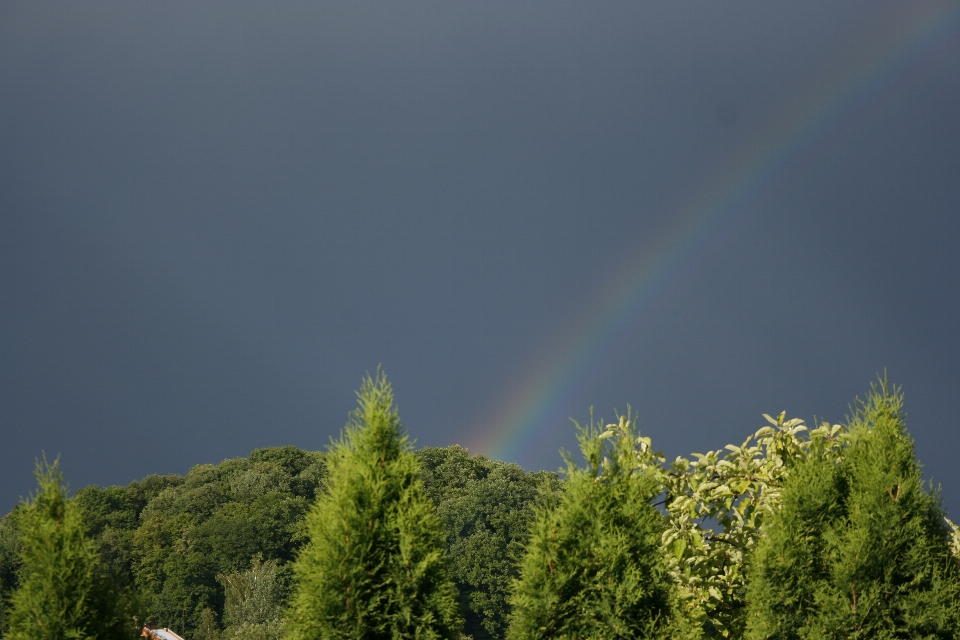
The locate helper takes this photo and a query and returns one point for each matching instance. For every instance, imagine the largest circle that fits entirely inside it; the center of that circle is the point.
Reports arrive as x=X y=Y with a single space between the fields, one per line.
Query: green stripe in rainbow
x=865 y=84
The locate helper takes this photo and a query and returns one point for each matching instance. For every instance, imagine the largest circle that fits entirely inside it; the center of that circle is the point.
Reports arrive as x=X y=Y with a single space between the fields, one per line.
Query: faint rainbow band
x=864 y=84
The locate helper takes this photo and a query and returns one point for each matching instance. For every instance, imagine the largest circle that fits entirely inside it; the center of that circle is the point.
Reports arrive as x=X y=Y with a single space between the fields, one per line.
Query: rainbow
x=862 y=87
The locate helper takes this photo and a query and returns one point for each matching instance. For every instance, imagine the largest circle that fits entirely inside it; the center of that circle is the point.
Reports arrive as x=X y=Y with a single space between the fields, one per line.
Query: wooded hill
x=171 y=536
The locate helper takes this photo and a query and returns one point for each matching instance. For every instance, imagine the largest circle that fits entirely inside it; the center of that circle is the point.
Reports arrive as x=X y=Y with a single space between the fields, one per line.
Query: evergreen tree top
x=375 y=426
x=375 y=566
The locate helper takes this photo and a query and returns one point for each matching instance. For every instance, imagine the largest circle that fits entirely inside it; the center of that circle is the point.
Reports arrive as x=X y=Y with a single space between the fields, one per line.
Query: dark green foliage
x=170 y=536
x=144 y=540
x=859 y=548
x=303 y=471
x=112 y=515
x=213 y=521
x=486 y=507
x=9 y=562
x=375 y=564
x=593 y=568
x=63 y=591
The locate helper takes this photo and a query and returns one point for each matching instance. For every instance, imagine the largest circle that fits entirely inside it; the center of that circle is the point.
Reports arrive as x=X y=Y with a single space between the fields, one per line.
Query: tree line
x=827 y=532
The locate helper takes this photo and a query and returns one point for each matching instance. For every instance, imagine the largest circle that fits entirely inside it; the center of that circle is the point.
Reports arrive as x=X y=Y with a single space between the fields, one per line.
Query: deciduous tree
x=252 y=608
x=485 y=506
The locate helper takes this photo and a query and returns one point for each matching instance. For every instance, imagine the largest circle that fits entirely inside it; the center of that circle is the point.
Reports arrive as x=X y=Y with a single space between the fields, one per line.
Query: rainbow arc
x=863 y=85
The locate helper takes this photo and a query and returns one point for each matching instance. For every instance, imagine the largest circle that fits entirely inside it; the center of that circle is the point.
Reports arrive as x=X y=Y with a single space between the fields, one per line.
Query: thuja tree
x=63 y=591
x=859 y=548
x=375 y=565
x=593 y=566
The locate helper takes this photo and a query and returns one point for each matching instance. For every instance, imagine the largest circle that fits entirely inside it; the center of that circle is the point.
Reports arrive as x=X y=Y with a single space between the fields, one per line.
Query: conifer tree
x=859 y=548
x=593 y=567
x=63 y=592
x=375 y=566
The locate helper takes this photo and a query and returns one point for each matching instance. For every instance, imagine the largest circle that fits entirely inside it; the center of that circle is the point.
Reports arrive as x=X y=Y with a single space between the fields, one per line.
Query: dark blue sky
x=216 y=217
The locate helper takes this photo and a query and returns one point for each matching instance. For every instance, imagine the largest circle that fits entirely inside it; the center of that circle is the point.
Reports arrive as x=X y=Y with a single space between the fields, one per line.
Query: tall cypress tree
x=859 y=548
x=593 y=567
x=375 y=566
x=64 y=593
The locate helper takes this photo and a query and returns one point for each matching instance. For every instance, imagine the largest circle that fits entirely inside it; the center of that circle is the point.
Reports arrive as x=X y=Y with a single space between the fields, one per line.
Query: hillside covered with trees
x=180 y=540
x=794 y=533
